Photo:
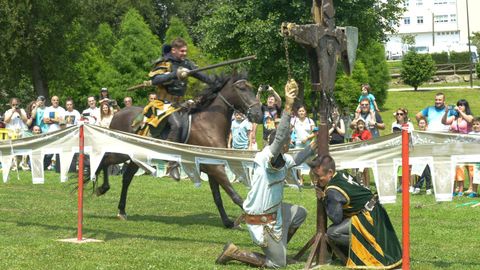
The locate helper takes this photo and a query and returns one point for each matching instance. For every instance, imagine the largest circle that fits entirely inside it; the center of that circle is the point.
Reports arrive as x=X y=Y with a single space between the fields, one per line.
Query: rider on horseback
x=169 y=75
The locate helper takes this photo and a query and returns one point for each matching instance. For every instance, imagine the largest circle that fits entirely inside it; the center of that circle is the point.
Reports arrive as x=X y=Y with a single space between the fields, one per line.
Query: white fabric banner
x=382 y=155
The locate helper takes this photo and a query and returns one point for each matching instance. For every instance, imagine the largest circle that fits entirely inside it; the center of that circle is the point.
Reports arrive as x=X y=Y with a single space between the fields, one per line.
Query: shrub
x=417 y=68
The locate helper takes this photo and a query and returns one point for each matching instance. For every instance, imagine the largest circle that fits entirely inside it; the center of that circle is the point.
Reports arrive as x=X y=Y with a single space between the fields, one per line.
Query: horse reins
x=249 y=106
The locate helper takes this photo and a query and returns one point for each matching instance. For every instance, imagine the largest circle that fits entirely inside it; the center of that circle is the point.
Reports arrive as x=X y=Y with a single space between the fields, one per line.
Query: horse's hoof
x=229 y=224
x=122 y=216
x=101 y=190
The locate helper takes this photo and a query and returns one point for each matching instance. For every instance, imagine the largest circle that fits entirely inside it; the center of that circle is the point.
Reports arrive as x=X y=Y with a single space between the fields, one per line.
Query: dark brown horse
x=211 y=120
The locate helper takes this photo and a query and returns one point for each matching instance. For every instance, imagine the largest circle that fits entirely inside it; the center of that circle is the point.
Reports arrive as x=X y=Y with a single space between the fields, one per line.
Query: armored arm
x=334 y=205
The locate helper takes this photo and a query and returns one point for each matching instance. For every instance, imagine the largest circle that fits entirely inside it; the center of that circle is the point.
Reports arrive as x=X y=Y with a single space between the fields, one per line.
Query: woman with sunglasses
x=460 y=122
x=401 y=117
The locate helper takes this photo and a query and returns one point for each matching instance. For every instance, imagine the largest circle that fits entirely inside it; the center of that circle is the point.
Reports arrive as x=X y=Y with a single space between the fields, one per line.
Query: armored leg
x=174 y=120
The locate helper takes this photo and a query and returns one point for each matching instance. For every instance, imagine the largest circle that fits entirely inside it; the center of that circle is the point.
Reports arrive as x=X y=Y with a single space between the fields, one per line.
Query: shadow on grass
x=107 y=235
x=205 y=219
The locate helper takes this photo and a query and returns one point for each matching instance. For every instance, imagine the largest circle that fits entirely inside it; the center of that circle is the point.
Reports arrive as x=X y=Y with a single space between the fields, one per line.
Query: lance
x=226 y=63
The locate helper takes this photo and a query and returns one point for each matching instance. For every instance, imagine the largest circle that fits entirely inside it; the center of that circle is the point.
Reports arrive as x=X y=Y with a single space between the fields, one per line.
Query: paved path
x=428 y=88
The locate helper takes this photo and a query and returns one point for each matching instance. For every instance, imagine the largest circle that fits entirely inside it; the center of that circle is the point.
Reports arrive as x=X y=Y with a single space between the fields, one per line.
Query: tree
x=239 y=28
x=132 y=56
x=372 y=54
x=417 y=68
x=347 y=88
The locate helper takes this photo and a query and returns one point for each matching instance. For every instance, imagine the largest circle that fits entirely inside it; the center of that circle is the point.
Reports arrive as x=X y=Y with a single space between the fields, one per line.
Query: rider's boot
x=173 y=168
x=232 y=252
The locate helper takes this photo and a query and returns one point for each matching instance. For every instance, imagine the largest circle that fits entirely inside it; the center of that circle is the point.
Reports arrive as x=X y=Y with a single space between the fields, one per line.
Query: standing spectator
x=460 y=122
x=426 y=174
x=54 y=115
x=302 y=126
x=128 y=102
x=366 y=94
x=337 y=128
x=92 y=113
x=104 y=96
x=401 y=117
x=71 y=115
x=16 y=122
x=241 y=133
x=30 y=118
x=15 y=118
x=106 y=115
x=271 y=110
x=38 y=114
x=370 y=118
x=434 y=114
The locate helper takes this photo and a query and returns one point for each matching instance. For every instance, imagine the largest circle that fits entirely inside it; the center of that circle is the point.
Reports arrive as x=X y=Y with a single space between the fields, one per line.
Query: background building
x=435 y=26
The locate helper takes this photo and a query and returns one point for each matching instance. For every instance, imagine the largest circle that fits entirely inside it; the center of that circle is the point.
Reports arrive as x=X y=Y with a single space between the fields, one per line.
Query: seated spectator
x=473 y=189
x=361 y=133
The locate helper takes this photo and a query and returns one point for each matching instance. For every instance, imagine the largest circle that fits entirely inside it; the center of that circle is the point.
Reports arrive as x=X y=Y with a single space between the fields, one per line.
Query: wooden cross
x=324 y=43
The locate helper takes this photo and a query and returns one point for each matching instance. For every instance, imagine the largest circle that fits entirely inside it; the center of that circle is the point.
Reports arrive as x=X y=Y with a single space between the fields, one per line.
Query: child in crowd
x=361 y=133
x=366 y=94
x=426 y=176
x=241 y=132
x=473 y=188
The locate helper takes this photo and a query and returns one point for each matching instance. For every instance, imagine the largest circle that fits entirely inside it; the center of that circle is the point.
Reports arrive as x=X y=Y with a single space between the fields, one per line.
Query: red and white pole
x=405 y=199
x=80 y=183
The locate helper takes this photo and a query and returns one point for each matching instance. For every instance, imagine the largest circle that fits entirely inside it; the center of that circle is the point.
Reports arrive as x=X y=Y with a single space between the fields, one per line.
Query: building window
x=406 y=20
x=441 y=18
x=406 y=3
x=420 y=19
x=419 y=2
x=440 y=2
x=453 y=17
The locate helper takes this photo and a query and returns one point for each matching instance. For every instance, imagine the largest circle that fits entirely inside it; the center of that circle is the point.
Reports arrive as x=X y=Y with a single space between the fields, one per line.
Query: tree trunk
x=39 y=79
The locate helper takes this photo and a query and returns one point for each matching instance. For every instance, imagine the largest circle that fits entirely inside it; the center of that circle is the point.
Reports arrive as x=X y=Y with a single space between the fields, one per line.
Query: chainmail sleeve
x=282 y=135
x=334 y=205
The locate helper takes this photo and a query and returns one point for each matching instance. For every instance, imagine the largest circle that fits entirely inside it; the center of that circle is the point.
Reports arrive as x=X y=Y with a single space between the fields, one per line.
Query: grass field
x=176 y=226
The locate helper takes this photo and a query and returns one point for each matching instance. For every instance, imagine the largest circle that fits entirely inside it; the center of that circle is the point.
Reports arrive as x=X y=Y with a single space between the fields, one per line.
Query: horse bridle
x=249 y=106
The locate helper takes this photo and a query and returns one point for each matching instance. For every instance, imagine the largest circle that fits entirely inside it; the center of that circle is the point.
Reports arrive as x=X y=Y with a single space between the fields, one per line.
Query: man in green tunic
x=360 y=225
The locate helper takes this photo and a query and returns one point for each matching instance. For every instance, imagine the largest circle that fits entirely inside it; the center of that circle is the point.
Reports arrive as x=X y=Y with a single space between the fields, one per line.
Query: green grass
x=176 y=226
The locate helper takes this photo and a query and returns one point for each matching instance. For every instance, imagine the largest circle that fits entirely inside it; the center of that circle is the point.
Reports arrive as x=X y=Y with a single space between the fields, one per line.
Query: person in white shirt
x=71 y=115
x=54 y=115
x=92 y=113
x=16 y=118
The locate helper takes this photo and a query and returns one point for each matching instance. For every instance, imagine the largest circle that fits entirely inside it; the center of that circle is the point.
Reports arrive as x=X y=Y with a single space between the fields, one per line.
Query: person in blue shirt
x=434 y=114
x=240 y=132
x=271 y=222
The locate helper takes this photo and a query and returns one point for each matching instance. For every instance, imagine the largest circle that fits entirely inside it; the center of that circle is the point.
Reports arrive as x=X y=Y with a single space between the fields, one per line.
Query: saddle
x=153 y=121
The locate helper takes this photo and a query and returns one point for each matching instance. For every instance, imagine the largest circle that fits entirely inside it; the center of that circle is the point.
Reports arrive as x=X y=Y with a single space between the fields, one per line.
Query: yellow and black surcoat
x=373 y=242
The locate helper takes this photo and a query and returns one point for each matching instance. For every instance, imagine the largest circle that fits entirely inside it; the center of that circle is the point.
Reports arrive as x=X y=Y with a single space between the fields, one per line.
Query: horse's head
x=242 y=99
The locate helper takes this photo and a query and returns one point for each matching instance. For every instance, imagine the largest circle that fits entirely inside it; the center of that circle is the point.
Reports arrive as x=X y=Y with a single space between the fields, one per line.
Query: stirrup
x=173 y=170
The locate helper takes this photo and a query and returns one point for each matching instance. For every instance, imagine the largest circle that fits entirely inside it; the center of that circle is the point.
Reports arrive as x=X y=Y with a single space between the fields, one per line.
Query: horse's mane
x=206 y=97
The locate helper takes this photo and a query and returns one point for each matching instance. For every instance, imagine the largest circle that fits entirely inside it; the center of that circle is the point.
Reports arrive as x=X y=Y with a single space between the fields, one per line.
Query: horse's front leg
x=127 y=177
x=106 y=184
x=217 y=177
